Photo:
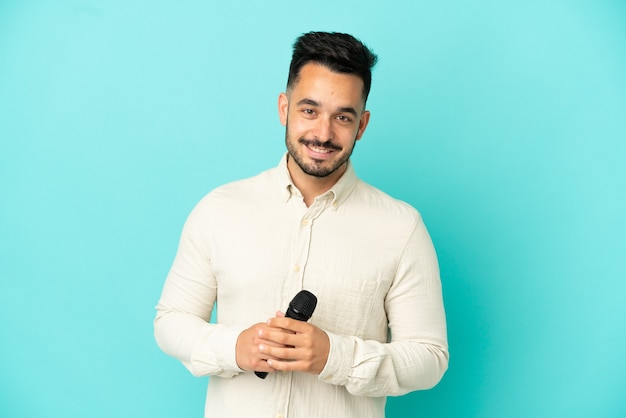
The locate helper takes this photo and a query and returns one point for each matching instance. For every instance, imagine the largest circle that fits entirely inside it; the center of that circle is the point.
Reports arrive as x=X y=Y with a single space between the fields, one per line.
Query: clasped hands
x=283 y=344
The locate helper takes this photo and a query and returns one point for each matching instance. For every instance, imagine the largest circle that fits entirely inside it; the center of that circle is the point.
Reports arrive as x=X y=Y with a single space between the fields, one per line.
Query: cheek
x=349 y=134
x=293 y=131
x=297 y=124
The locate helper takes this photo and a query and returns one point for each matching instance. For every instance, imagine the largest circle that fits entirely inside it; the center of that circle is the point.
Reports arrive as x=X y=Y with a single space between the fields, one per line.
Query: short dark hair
x=339 y=52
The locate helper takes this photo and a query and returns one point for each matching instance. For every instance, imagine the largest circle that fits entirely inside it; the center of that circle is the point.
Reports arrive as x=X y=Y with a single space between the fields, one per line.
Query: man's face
x=324 y=116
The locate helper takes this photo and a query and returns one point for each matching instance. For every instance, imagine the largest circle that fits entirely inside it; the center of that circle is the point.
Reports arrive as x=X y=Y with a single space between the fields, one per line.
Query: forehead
x=319 y=83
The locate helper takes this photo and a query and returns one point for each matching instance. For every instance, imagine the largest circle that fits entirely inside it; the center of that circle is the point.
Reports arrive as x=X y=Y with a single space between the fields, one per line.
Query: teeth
x=321 y=150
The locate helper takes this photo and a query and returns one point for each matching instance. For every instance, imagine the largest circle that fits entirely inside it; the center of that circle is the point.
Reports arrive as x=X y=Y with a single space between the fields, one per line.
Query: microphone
x=300 y=308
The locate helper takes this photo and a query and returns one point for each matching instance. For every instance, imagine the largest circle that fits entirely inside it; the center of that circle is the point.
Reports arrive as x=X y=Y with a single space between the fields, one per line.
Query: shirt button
x=305 y=222
x=296 y=269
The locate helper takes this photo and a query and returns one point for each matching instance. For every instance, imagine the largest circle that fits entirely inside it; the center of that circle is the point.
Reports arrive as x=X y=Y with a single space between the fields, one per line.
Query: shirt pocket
x=351 y=305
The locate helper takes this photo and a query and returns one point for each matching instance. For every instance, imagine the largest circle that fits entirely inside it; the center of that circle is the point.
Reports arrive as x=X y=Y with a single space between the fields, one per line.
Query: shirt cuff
x=339 y=363
x=219 y=355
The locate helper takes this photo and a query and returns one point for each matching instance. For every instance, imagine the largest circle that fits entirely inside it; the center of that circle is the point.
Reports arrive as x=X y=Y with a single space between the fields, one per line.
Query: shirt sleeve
x=181 y=326
x=415 y=357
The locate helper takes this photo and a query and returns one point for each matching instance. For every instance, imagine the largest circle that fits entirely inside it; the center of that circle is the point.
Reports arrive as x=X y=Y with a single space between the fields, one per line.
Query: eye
x=344 y=118
x=308 y=111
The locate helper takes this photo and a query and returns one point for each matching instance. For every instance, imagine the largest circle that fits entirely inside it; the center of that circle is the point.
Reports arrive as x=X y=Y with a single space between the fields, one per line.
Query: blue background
x=504 y=123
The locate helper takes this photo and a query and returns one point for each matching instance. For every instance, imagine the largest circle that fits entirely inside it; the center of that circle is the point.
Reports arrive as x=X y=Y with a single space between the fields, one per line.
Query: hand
x=248 y=350
x=296 y=345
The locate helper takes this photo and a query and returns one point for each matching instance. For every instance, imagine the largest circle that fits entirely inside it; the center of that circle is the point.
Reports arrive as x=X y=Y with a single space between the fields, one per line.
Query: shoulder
x=242 y=190
x=238 y=195
x=377 y=202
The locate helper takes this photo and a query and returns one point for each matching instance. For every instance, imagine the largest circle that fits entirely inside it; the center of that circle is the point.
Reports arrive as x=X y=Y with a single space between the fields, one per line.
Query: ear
x=365 y=119
x=283 y=108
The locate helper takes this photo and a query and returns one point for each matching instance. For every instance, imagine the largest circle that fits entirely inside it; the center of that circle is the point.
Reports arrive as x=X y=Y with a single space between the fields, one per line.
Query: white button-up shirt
x=248 y=247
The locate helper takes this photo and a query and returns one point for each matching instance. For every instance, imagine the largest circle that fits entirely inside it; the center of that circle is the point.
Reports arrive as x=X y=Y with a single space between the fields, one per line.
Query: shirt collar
x=339 y=192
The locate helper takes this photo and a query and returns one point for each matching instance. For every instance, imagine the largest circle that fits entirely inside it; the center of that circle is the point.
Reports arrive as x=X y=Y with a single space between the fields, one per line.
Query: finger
x=269 y=352
x=289 y=324
x=295 y=359
x=284 y=354
x=284 y=338
x=281 y=365
x=272 y=337
x=289 y=365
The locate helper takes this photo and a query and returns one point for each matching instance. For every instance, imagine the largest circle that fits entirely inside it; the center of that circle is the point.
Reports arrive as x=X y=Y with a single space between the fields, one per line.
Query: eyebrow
x=312 y=102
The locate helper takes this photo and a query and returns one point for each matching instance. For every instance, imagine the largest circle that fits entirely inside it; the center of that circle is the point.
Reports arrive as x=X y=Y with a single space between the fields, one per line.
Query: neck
x=313 y=186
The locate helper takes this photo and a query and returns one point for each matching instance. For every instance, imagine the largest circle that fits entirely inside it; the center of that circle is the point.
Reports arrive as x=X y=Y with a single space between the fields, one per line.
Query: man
x=310 y=223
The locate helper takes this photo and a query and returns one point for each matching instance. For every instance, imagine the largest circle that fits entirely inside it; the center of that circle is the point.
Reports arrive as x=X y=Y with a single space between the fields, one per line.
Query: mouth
x=318 y=150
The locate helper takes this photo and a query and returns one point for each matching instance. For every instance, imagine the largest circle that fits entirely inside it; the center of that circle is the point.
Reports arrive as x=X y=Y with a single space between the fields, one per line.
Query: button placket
x=303 y=243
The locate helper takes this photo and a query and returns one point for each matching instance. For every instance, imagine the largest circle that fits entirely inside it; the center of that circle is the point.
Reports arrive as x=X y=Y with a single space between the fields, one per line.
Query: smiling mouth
x=319 y=150
x=319 y=147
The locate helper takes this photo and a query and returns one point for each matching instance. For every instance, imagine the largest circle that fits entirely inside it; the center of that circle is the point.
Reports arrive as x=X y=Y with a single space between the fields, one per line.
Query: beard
x=316 y=168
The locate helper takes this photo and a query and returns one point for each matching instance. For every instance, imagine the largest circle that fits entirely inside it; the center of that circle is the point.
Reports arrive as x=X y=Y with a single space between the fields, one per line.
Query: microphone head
x=302 y=306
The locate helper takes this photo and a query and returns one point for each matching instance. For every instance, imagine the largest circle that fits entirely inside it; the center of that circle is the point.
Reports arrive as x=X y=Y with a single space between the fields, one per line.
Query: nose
x=323 y=130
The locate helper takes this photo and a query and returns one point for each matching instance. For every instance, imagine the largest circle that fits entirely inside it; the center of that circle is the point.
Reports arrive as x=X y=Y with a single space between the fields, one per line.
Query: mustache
x=319 y=144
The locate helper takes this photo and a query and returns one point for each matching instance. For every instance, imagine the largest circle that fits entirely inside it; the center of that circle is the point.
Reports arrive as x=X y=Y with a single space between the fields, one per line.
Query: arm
x=416 y=355
x=181 y=326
